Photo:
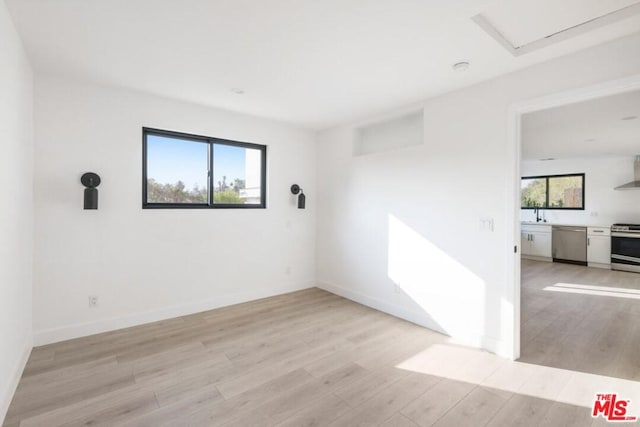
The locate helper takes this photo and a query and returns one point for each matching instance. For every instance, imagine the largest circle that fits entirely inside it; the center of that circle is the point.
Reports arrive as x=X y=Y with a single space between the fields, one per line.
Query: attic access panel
x=522 y=26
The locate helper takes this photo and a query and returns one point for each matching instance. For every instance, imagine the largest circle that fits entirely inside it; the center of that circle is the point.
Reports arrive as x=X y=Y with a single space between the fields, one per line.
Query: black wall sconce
x=302 y=199
x=90 y=180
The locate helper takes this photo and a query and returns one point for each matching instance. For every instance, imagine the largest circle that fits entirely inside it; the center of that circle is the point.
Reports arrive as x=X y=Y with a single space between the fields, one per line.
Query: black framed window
x=180 y=170
x=553 y=192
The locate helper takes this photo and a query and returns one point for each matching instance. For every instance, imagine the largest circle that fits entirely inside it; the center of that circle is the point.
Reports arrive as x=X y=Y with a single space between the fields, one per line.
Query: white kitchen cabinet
x=599 y=247
x=541 y=244
x=535 y=241
x=525 y=247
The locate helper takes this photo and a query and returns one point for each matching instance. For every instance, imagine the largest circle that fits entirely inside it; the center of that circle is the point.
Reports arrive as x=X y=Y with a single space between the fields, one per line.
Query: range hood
x=635 y=184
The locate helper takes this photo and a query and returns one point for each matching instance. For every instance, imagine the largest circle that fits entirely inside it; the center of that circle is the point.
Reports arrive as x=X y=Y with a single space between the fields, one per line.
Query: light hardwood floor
x=307 y=358
x=589 y=323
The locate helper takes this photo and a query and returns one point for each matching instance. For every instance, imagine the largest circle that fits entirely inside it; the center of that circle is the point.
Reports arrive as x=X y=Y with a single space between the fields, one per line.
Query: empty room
x=320 y=213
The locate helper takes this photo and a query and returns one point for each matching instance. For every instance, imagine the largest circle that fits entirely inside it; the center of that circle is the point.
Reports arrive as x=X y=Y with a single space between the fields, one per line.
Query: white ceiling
x=587 y=129
x=543 y=20
x=314 y=63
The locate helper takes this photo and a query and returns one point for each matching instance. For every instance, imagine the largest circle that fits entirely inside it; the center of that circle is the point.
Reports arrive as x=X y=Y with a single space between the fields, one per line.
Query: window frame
x=546 y=178
x=210 y=141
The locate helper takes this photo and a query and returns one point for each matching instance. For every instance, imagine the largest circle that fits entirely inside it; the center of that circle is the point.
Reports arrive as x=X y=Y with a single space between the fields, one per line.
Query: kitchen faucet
x=538 y=217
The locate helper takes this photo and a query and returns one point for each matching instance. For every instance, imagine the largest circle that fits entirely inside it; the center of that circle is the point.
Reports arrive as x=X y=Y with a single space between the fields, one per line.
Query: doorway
x=567 y=316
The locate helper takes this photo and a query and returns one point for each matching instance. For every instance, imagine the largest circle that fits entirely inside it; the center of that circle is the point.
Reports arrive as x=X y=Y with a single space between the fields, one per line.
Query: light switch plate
x=486 y=224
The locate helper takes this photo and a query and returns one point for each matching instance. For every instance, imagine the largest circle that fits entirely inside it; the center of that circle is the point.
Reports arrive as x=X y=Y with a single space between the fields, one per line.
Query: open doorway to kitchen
x=574 y=151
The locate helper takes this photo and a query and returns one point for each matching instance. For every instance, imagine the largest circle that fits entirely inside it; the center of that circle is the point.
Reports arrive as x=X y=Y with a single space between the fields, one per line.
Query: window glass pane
x=177 y=170
x=565 y=192
x=237 y=173
x=533 y=192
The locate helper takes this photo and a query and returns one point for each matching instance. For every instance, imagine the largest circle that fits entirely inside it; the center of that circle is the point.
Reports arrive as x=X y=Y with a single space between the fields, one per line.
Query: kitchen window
x=190 y=171
x=553 y=192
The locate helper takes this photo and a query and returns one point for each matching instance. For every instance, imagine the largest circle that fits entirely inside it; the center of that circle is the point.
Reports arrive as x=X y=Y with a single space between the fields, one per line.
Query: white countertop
x=563 y=224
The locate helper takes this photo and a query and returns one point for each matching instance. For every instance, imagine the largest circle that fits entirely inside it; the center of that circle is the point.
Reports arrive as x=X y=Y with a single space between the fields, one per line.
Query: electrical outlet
x=93 y=301
x=594 y=213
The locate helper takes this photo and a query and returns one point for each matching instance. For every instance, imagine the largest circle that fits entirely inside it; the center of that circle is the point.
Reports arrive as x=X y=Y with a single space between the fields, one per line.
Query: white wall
x=146 y=265
x=16 y=210
x=603 y=205
x=411 y=217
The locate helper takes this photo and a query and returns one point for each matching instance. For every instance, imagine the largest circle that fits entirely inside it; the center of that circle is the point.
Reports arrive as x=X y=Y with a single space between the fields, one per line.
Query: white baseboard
x=498 y=347
x=53 y=335
x=486 y=343
x=12 y=383
x=381 y=305
x=48 y=336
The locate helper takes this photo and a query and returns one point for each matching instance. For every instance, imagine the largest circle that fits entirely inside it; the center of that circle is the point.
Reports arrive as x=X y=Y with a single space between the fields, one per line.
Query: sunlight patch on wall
x=451 y=294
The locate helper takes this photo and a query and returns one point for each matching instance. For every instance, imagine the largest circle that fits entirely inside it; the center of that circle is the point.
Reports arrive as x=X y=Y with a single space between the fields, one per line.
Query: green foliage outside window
x=552 y=192
x=175 y=193
x=534 y=192
x=178 y=193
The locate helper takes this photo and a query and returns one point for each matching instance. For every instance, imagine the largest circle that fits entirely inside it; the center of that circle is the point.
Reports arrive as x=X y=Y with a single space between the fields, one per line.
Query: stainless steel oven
x=625 y=247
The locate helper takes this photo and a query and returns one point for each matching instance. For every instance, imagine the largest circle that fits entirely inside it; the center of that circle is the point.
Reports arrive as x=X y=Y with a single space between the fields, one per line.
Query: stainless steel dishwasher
x=569 y=244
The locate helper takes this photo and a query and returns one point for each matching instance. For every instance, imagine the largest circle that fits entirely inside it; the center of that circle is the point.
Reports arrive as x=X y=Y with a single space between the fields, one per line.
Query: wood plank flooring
x=576 y=330
x=308 y=358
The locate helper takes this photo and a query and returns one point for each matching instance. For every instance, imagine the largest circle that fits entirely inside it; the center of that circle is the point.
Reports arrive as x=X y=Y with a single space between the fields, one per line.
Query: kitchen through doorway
x=579 y=290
